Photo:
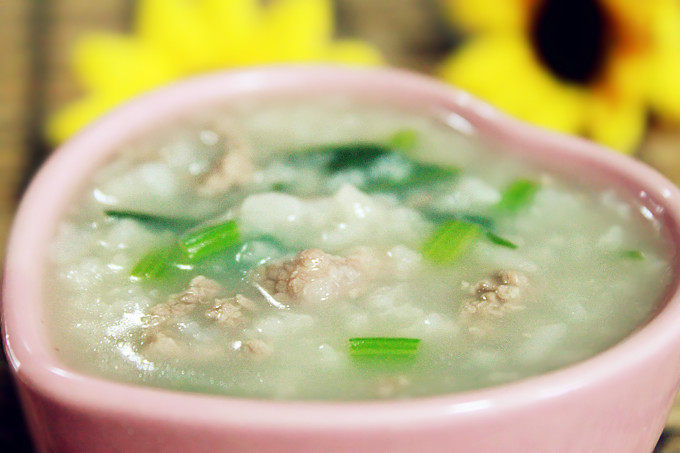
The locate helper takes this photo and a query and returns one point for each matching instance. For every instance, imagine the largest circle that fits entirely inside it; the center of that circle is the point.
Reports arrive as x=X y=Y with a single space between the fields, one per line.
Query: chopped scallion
x=449 y=241
x=632 y=254
x=404 y=139
x=518 y=195
x=383 y=347
x=154 y=263
x=210 y=240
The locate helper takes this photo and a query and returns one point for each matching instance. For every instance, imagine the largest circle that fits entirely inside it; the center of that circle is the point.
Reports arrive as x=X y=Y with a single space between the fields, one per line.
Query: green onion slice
x=404 y=139
x=190 y=249
x=210 y=240
x=518 y=195
x=632 y=254
x=383 y=347
x=154 y=263
x=450 y=240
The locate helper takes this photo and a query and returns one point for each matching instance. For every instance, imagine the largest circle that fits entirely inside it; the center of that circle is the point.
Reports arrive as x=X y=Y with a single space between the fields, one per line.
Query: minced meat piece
x=510 y=277
x=230 y=312
x=160 y=344
x=201 y=290
x=258 y=349
x=314 y=276
x=508 y=293
x=162 y=322
x=234 y=169
x=493 y=299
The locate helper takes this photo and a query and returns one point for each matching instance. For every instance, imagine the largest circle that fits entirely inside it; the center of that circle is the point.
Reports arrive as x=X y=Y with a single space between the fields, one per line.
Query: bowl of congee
x=330 y=259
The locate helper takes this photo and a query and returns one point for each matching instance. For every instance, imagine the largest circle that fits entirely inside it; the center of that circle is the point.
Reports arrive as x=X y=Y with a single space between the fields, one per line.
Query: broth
x=336 y=249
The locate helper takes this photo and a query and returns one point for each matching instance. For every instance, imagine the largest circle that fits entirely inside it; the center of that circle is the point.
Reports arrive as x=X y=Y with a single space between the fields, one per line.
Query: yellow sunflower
x=590 y=67
x=175 y=38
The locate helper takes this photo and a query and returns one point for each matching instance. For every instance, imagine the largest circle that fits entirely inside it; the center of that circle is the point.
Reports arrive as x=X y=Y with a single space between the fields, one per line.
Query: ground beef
x=231 y=312
x=154 y=339
x=234 y=169
x=493 y=298
x=160 y=332
x=200 y=291
x=162 y=345
x=257 y=349
x=314 y=276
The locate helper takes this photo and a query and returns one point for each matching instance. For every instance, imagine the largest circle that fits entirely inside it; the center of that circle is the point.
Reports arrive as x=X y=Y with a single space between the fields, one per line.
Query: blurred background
x=608 y=70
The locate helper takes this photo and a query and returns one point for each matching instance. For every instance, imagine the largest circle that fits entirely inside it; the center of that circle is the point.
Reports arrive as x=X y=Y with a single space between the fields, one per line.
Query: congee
x=334 y=248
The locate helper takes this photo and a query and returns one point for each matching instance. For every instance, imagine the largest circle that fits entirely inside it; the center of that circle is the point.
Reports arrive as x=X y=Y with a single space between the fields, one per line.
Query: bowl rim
x=34 y=365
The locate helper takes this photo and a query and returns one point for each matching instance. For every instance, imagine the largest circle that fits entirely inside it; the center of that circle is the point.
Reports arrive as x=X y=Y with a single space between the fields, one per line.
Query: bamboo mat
x=14 y=65
x=35 y=38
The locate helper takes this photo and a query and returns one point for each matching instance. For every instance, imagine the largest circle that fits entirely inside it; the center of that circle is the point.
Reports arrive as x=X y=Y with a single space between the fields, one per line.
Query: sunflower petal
x=233 y=26
x=296 y=30
x=488 y=15
x=665 y=87
x=664 y=84
x=353 y=52
x=502 y=70
x=179 y=37
x=119 y=63
x=177 y=28
x=626 y=75
x=637 y=19
x=71 y=118
x=617 y=123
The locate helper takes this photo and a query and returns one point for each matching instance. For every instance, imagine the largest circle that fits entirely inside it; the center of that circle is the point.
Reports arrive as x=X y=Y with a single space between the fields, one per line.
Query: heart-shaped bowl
x=616 y=401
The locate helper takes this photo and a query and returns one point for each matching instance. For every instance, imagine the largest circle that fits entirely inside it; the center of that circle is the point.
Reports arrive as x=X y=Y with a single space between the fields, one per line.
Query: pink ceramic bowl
x=614 y=402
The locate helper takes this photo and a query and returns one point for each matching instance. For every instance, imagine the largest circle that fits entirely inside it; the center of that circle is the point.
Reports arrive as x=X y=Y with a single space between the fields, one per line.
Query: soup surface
x=335 y=249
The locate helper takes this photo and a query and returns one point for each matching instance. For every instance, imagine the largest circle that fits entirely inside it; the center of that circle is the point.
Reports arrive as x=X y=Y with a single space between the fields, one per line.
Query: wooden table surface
x=35 y=38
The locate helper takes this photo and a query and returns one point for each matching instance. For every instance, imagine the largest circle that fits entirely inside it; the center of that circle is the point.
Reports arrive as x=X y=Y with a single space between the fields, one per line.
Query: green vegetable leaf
x=440 y=217
x=431 y=173
x=337 y=157
x=153 y=219
x=363 y=156
x=281 y=187
x=449 y=241
x=383 y=347
x=421 y=174
x=484 y=222
x=518 y=195
x=359 y=155
x=210 y=240
x=500 y=241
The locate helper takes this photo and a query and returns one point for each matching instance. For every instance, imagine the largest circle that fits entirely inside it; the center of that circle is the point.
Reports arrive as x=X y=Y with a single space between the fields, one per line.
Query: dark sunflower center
x=569 y=37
